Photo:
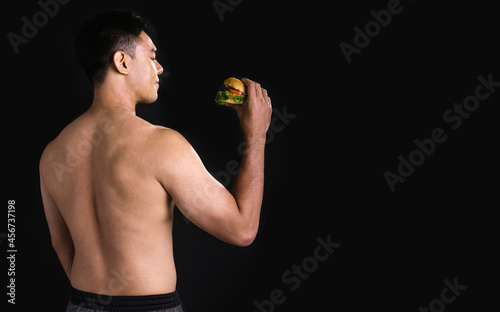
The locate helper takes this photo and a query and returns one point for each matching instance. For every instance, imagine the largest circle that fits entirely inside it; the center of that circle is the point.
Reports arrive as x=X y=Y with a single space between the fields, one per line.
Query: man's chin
x=150 y=99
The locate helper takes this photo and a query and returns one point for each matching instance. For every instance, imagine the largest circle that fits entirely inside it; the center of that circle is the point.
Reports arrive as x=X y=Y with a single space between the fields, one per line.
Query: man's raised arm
x=255 y=117
x=232 y=217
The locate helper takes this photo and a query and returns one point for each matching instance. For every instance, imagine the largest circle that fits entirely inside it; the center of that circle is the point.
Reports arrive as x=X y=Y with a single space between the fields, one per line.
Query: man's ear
x=120 y=60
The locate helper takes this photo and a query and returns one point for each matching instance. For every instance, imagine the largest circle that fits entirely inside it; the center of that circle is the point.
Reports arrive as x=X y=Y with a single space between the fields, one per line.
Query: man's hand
x=255 y=113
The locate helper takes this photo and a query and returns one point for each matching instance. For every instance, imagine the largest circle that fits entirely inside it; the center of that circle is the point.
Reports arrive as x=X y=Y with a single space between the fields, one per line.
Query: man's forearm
x=249 y=185
x=255 y=117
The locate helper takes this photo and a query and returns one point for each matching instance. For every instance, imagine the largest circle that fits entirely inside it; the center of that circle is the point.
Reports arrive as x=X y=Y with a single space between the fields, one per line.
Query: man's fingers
x=250 y=85
x=258 y=91
x=253 y=87
x=266 y=97
x=237 y=107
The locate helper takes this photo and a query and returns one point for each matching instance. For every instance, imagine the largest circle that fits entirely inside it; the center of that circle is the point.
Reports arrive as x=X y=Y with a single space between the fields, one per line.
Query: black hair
x=99 y=39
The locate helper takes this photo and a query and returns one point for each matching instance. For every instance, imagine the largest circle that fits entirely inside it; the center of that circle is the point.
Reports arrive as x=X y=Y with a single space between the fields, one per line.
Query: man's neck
x=112 y=96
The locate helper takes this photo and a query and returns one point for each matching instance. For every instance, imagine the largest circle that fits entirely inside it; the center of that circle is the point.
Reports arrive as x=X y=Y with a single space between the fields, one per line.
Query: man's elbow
x=245 y=237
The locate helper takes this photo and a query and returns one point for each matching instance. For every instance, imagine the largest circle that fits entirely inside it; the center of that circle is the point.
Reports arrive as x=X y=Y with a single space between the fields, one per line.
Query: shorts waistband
x=124 y=303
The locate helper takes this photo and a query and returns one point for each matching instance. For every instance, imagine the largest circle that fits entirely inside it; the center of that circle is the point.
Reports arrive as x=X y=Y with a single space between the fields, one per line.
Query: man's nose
x=159 y=68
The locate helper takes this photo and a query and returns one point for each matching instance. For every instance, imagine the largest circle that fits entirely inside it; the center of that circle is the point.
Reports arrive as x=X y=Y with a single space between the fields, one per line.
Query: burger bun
x=235 y=84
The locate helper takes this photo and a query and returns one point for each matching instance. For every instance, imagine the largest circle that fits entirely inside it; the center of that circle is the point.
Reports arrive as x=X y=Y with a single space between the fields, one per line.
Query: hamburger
x=234 y=92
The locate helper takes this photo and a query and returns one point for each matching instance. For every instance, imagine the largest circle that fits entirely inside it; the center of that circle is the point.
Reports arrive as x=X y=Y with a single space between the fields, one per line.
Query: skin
x=110 y=180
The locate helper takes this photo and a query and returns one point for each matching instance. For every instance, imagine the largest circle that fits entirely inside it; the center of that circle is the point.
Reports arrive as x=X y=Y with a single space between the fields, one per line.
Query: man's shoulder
x=169 y=150
x=47 y=152
x=62 y=139
x=47 y=157
x=55 y=145
x=168 y=140
x=172 y=157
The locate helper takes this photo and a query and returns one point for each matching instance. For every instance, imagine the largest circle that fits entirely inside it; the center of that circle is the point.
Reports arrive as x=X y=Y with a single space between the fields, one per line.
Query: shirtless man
x=110 y=180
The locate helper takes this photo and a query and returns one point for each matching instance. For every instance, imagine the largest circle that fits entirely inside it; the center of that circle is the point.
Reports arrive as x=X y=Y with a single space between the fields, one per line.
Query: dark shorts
x=82 y=301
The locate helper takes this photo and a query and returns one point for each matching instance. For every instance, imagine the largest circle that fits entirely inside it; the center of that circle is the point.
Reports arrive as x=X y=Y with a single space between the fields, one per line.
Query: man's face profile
x=142 y=70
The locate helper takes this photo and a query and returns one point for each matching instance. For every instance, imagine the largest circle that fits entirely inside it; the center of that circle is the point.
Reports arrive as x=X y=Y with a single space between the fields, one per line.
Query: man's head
x=114 y=47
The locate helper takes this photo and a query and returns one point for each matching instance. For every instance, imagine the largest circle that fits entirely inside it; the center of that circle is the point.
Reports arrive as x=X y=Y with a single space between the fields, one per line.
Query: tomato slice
x=234 y=91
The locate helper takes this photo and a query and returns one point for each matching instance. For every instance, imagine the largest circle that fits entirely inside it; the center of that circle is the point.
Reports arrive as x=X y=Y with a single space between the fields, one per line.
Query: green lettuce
x=225 y=95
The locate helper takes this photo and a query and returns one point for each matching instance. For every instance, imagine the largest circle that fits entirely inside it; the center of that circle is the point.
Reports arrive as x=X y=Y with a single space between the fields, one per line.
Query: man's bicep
x=197 y=194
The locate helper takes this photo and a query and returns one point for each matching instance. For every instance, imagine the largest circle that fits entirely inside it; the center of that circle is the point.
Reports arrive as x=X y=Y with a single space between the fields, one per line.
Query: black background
x=324 y=169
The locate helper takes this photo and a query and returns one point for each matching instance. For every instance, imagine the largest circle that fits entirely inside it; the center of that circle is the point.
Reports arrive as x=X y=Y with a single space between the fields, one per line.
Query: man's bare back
x=110 y=180
x=118 y=214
